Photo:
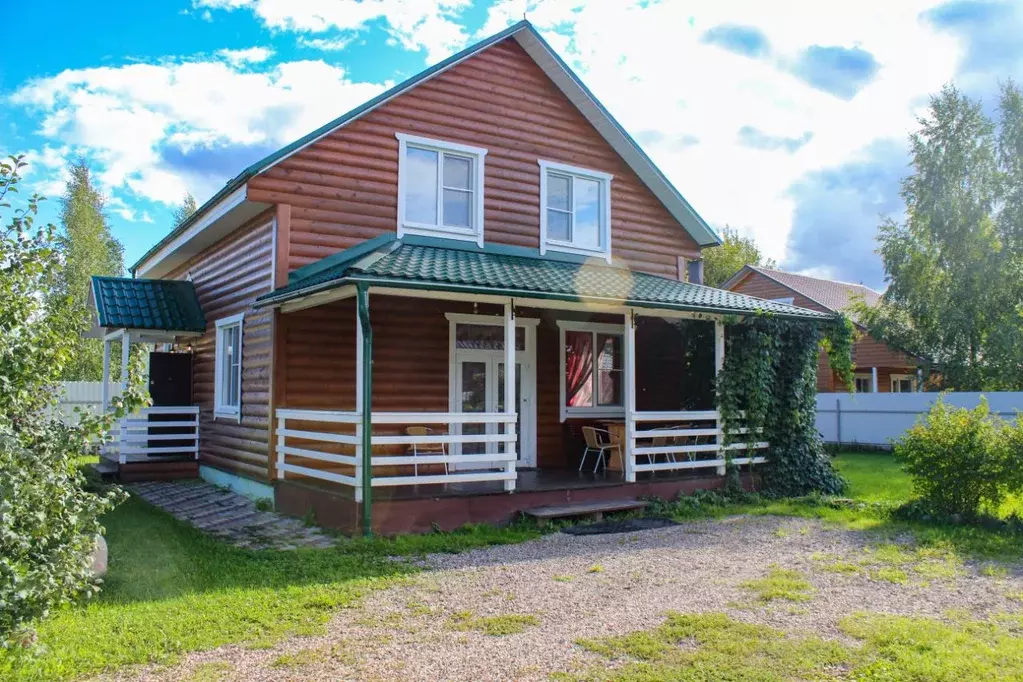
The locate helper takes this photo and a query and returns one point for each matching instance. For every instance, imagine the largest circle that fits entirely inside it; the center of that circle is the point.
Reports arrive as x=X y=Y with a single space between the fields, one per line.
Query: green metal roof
x=162 y=304
x=262 y=164
x=425 y=263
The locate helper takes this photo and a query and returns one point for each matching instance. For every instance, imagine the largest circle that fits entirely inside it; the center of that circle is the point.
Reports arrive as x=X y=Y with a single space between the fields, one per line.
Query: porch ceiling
x=419 y=262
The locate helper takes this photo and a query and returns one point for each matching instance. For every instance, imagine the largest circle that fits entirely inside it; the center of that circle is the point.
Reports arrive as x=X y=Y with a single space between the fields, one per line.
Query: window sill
x=441 y=233
x=230 y=414
x=561 y=247
x=605 y=412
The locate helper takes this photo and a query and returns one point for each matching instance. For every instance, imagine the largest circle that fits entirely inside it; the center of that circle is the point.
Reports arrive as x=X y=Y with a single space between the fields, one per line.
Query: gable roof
x=154 y=304
x=444 y=265
x=833 y=295
x=560 y=74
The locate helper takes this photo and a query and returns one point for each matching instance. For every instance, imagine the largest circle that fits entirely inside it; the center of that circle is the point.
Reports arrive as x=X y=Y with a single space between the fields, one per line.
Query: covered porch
x=417 y=372
x=160 y=441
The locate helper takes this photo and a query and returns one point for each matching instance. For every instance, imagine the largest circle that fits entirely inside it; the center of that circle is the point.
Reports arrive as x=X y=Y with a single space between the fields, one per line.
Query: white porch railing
x=333 y=440
x=156 y=431
x=694 y=441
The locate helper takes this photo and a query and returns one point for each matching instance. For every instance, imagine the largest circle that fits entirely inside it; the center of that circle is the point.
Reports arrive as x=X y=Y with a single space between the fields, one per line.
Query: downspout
x=362 y=295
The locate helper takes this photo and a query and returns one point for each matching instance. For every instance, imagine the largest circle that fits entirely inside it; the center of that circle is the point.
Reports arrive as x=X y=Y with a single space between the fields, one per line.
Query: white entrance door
x=480 y=380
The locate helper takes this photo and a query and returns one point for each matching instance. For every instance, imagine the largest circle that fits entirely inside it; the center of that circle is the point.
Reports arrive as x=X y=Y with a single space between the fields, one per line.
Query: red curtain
x=578 y=369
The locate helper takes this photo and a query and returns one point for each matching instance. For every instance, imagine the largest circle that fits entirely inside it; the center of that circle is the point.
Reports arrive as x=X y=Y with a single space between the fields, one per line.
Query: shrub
x=961 y=461
x=48 y=519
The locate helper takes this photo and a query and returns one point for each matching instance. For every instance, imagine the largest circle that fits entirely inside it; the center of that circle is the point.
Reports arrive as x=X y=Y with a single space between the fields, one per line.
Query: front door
x=479 y=387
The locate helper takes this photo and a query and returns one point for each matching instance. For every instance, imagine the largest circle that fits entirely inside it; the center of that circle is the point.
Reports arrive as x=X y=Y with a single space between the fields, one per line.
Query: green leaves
x=768 y=385
x=48 y=520
x=721 y=262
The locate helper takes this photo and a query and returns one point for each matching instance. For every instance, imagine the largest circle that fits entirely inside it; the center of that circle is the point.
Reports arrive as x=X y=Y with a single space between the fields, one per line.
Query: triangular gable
x=564 y=79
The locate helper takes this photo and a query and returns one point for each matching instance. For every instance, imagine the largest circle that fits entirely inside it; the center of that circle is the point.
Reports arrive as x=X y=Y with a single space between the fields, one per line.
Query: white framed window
x=591 y=367
x=864 y=383
x=788 y=300
x=575 y=210
x=903 y=383
x=440 y=188
x=227 y=391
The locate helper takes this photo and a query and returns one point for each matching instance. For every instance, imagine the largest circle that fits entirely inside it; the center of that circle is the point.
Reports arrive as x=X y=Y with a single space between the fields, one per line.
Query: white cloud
x=327 y=44
x=647 y=63
x=141 y=123
x=251 y=55
x=413 y=24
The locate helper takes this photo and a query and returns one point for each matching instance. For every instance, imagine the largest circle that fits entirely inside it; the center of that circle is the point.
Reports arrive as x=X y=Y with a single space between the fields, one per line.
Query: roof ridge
x=760 y=268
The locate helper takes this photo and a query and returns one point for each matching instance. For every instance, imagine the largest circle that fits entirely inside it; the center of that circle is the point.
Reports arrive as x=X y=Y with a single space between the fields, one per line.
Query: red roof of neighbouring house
x=833 y=295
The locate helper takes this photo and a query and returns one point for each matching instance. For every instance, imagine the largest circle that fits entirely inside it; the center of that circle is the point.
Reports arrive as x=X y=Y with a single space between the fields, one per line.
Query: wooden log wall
x=867 y=352
x=343 y=189
x=228 y=278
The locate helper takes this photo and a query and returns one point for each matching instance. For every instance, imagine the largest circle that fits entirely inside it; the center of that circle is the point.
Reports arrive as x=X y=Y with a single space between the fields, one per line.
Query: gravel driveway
x=590 y=587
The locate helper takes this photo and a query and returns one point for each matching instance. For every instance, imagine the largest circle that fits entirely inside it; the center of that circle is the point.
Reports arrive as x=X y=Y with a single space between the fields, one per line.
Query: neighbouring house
x=431 y=300
x=879 y=367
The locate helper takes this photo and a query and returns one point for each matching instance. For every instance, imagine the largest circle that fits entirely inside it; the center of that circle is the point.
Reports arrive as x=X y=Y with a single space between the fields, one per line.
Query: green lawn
x=873 y=477
x=172 y=589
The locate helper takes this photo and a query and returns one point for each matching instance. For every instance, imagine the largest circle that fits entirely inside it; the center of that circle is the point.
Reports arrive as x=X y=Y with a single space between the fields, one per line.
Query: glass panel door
x=474 y=382
x=518 y=400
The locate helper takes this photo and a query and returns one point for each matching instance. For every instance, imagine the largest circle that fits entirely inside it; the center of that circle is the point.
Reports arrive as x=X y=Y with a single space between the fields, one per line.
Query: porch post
x=125 y=352
x=366 y=422
x=719 y=363
x=359 y=380
x=873 y=379
x=629 y=340
x=106 y=375
x=510 y=408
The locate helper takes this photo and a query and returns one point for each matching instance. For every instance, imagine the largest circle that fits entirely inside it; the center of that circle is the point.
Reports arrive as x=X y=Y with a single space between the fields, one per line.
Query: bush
x=961 y=461
x=48 y=519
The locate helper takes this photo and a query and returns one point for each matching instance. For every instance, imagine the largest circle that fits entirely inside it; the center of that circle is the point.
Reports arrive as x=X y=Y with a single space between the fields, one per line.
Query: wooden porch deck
x=418 y=509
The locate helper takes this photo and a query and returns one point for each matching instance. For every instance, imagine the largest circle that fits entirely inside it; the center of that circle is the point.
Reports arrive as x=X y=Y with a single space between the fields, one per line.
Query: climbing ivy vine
x=768 y=385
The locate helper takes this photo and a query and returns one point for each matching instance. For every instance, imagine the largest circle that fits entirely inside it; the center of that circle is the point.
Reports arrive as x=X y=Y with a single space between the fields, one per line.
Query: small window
x=227 y=390
x=903 y=383
x=591 y=370
x=440 y=189
x=864 y=383
x=575 y=210
x=787 y=301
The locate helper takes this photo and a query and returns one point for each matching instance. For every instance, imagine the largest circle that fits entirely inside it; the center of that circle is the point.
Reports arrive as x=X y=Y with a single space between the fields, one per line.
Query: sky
x=787 y=120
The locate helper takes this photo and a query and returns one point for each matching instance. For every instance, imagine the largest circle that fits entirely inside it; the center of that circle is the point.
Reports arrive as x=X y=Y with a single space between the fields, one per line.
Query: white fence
x=693 y=441
x=84 y=395
x=158 y=431
x=880 y=418
x=327 y=445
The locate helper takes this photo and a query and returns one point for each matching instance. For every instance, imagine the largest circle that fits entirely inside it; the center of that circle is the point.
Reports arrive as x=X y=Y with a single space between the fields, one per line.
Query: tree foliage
x=768 y=386
x=48 y=520
x=736 y=251
x=87 y=248
x=185 y=209
x=955 y=265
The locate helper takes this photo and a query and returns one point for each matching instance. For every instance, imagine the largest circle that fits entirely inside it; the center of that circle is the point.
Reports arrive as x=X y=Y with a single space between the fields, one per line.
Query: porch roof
x=441 y=264
x=150 y=304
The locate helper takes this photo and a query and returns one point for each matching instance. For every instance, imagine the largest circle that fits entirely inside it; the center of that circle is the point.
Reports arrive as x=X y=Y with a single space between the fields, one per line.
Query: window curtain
x=578 y=369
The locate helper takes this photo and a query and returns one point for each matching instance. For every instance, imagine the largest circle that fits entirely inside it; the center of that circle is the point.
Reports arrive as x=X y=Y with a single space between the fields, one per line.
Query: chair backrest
x=593 y=437
x=418 y=431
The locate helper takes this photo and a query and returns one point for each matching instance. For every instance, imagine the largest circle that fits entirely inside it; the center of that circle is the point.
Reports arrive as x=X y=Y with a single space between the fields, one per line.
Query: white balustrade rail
x=156 y=431
x=694 y=441
x=497 y=463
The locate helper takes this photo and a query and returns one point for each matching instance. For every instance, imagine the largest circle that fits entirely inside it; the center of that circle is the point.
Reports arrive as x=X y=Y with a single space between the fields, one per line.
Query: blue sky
x=788 y=122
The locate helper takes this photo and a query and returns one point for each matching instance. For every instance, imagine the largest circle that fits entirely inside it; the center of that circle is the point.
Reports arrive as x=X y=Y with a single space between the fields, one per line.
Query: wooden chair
x=599 y=441
x=425 y=448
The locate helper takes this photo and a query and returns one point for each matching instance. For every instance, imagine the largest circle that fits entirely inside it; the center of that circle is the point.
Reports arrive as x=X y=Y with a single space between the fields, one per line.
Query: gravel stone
x=594 y=586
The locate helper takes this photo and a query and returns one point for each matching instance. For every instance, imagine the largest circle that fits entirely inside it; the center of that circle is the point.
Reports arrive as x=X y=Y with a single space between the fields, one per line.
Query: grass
x=780 y=583
x=495 y=626
x=171 y=589
x=704 y=647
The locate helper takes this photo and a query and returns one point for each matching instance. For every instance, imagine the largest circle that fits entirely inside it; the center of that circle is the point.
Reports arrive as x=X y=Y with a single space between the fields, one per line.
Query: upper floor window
x=440 y=188
x=788 y=300
x=575 y=210
x=227 y=387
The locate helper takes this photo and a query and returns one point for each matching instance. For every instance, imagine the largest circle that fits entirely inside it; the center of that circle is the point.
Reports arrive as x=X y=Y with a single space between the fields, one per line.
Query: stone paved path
x=229 y=516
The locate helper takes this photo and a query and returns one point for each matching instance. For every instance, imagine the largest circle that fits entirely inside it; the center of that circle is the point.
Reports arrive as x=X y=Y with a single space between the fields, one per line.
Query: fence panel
x=880 y=418
x=84 y=395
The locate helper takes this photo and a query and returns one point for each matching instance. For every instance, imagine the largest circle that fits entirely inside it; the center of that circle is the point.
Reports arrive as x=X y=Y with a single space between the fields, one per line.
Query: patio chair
x=598 y=441
x=425 y=448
